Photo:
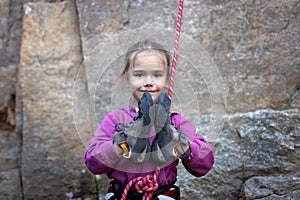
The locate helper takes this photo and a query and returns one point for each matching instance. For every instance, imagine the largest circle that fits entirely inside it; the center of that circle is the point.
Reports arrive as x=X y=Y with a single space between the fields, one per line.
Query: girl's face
x=148 y=74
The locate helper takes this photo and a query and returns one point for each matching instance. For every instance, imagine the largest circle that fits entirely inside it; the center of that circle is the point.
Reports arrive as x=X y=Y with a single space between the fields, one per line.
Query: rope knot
x=146 y=185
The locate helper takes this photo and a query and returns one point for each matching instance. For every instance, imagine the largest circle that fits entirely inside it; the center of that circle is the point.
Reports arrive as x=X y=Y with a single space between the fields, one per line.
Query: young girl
x=139 y=139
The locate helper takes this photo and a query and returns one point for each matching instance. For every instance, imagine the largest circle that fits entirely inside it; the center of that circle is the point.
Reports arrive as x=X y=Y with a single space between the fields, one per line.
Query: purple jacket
x=100 y=157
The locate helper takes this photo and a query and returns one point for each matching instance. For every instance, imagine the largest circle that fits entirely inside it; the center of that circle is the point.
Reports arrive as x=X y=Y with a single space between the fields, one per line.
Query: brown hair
x=146 y=46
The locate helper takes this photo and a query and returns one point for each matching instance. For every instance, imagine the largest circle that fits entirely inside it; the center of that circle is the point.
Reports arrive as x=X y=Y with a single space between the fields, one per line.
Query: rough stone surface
x=10 y=184
x=10 y=31
x=10 y=150
x=10 y=140
x=253 y=43
x=272 y=188
x=7 y=97
x=52 y=153
x=4 y=5
x=262 y=143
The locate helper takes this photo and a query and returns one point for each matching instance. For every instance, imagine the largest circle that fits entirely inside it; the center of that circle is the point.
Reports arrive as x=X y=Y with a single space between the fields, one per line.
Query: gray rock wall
x=257 y=152
x=52 y=152
x=10 y=138
x=59 y=63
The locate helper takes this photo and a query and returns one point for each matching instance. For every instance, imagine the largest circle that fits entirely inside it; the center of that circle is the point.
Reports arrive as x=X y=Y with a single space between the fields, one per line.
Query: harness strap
x=170 y=190
x=117 y=192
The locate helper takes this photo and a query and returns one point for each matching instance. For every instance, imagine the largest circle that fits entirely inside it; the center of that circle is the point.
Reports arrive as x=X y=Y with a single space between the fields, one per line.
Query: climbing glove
x=167 y=137
x=133 y=138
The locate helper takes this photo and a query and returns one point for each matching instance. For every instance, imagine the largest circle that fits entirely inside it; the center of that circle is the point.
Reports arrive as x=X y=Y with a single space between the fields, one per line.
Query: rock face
x=10 y=139
x=272 y=188
x=52 y=152
x=256 y=152
x=238 y=73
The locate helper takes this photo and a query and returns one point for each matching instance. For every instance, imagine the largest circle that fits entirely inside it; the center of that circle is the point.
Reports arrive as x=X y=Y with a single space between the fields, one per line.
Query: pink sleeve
x=100 y=156
x=202 y=156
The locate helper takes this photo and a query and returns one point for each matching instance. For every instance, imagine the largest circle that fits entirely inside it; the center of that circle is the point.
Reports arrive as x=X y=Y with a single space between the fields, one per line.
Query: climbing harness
x=148 y=185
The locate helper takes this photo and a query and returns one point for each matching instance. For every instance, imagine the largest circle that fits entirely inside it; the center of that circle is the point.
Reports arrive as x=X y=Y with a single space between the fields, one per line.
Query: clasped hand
x=133 y=138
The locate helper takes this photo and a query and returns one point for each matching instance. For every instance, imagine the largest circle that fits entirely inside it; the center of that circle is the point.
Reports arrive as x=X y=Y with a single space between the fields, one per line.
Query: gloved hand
x=167 y=137
x=135 y=135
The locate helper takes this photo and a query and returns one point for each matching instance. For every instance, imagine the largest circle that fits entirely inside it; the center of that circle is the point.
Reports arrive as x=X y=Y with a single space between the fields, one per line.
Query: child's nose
x=148 y=81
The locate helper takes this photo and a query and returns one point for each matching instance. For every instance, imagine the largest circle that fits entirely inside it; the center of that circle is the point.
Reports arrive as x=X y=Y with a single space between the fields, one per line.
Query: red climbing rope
x=176 y=45
x=146 y=185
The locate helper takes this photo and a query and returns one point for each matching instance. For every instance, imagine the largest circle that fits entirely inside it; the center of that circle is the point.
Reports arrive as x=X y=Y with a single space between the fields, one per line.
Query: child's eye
x=138 y=74
x=157 y=75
